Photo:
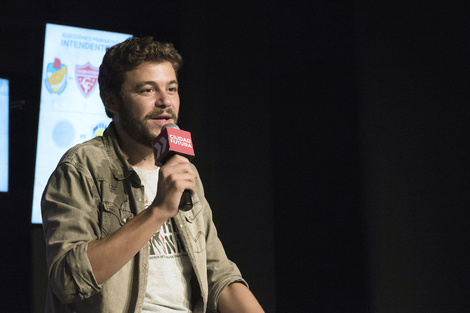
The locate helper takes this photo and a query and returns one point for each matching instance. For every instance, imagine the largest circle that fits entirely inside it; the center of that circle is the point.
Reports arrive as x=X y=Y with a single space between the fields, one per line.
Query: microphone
x=172 y=140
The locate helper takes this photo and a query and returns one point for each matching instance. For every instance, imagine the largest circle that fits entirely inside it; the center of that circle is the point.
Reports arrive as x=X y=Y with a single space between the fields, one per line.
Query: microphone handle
x=186 y=203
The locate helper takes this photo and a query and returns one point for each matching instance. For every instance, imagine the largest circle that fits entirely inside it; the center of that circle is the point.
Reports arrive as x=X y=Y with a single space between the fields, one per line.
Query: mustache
x=156 y=113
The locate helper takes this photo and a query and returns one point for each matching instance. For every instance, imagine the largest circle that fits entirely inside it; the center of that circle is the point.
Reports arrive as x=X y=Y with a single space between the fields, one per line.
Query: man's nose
x=163 y=100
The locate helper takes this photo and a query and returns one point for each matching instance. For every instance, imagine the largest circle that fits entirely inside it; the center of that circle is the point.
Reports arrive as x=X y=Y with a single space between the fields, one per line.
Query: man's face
x=150 y=100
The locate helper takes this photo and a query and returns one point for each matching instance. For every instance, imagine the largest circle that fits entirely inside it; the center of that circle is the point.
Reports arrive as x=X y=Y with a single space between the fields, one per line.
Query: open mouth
x=165 y=116
x=162 y=119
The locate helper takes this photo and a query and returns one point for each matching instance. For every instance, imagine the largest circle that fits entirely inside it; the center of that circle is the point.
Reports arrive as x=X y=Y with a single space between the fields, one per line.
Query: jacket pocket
x=195 y=227
x=114 y=214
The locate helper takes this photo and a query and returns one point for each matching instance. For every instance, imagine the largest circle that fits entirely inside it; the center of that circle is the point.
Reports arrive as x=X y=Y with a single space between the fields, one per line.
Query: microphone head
x=172 y=140
x=170 y=125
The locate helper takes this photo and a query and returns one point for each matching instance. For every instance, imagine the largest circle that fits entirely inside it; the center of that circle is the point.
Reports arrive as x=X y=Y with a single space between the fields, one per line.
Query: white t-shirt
x=170 y=270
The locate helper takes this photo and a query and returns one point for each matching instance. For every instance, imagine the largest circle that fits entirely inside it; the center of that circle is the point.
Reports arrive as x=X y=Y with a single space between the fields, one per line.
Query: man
x=116 y=241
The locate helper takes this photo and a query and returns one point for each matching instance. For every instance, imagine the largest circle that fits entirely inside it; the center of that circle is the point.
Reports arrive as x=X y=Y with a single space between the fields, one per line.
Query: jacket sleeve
x=70 y=216
x=221 y=271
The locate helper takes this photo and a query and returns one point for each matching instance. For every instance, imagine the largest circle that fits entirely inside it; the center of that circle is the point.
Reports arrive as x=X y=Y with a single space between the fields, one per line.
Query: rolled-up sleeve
x=221 y=272
x=70 y=213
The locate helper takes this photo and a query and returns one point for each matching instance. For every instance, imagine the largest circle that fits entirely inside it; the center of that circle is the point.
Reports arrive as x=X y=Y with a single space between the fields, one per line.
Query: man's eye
x=147 y=90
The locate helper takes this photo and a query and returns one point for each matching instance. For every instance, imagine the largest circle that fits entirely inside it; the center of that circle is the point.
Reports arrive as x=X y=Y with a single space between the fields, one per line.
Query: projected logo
x=99 y=129
x=86 y=77
x=63 y=134
x=56 y=77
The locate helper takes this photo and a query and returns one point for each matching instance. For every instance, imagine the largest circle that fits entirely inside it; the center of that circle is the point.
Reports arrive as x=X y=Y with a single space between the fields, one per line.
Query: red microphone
x=172 y=140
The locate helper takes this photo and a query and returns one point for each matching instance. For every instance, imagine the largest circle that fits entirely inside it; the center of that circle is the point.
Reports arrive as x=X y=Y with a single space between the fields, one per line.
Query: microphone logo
x=160 y=147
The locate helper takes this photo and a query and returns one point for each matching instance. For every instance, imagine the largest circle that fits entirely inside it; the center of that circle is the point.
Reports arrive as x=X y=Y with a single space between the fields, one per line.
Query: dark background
x=331 y=137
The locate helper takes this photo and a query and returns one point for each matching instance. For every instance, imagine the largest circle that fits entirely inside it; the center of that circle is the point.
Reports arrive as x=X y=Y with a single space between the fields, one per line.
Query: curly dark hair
x=127 y=55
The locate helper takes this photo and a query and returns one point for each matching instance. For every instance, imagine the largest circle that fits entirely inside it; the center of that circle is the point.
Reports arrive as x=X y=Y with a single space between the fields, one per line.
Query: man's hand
x=175 y=177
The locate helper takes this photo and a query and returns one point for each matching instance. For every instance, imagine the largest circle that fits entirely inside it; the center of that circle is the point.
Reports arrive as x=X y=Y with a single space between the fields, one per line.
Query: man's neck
x=146 y=162
x=135 y=153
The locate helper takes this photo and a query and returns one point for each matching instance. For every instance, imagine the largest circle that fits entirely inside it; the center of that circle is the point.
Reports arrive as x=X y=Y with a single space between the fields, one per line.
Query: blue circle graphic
x=63 y=134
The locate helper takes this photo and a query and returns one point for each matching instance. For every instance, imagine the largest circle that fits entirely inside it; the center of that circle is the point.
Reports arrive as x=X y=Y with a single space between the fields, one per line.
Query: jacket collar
x=120 y=168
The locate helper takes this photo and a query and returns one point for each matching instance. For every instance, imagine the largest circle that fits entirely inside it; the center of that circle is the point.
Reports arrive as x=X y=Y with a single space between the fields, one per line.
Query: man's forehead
x=152 y=71
x=151 y=64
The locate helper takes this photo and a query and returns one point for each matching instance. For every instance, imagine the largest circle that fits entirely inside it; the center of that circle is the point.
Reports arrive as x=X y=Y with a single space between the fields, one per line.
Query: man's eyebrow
x=151 y=82
x=143 y=83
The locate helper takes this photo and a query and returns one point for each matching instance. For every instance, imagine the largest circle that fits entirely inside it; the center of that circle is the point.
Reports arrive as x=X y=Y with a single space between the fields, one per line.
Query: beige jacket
x=92 y=193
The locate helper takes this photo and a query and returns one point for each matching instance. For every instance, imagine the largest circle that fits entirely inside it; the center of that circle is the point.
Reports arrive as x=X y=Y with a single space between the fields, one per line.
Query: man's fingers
x=176 y=159
x=177 y=172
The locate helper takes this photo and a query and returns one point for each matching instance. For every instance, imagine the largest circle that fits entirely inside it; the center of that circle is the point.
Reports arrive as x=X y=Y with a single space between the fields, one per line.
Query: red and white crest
x=86 y=77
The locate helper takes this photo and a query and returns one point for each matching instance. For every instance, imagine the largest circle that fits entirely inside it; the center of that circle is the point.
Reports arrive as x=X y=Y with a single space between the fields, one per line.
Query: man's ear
x=111 y=102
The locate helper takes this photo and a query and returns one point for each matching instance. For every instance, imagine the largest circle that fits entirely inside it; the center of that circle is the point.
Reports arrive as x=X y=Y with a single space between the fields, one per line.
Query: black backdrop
x=330 y=135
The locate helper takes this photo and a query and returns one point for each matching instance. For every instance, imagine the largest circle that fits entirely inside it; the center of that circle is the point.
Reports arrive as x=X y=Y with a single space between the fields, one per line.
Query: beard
x=138 y=128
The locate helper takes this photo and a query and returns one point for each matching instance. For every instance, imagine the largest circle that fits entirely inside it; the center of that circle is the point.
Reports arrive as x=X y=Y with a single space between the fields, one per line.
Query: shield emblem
x=86 y=77
x=56 y=77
